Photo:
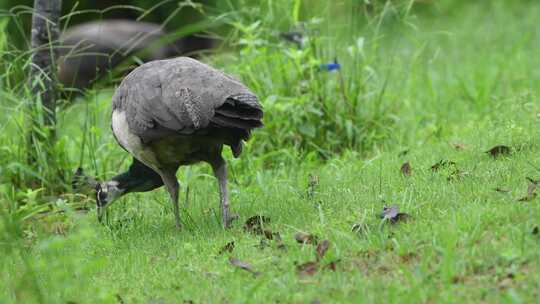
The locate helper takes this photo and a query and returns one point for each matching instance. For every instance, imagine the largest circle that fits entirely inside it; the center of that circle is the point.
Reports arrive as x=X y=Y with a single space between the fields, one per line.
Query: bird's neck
x=138 y=178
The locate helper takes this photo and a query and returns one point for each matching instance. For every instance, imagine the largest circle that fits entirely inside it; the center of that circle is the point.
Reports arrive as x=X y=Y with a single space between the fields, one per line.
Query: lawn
x=435 y=88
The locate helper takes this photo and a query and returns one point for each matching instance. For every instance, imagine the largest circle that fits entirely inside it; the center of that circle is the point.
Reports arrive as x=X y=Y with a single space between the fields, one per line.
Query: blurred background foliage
x=410 y=70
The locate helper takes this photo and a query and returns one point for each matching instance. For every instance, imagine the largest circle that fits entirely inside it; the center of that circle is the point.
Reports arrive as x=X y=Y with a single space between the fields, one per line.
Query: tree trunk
x=44 y=43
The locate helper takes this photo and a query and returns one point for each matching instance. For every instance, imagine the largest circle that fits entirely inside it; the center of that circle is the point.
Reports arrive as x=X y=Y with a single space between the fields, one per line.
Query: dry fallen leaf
x=307 y=269
x=229 y=247
x=306 y=238
x=322 y=248
x=406 y=169
x=242 y=265
x=499 y=150
x=332 y=265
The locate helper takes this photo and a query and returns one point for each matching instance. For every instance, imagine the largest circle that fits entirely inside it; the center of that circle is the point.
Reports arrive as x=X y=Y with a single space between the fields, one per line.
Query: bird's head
x=106 y=193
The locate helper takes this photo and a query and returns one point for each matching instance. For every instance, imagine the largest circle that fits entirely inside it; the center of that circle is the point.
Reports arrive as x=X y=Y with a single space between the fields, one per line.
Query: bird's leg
x=220 y=171
x=171 y=183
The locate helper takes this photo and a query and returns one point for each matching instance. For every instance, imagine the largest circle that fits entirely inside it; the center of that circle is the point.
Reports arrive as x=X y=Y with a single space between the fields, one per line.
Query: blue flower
x=332 y=66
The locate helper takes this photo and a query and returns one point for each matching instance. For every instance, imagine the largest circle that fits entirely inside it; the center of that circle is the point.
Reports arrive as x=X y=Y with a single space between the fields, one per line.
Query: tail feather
x=239 y=112
x=233 y=122
x=237 y=117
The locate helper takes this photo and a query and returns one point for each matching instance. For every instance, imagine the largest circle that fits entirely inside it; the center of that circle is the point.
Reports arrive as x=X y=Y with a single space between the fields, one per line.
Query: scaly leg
x=220 y=171
x=171 y=183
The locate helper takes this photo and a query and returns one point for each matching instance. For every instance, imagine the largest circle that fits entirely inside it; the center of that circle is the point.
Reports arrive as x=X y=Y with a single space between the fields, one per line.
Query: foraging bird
x=169 y=113
x=91 y=49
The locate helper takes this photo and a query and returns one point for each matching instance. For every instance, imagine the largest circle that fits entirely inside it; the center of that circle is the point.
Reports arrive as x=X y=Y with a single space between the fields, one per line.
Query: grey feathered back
x=181 y=95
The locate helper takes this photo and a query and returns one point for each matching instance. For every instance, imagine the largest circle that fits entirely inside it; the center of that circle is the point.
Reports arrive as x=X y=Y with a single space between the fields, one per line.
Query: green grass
x=425 y=83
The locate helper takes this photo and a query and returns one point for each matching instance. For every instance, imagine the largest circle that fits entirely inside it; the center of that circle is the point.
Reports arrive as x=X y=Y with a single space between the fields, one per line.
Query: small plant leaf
x=499 y=150
x=406 y=169
x=306 y=238
x=535 y=230
x=322 y=248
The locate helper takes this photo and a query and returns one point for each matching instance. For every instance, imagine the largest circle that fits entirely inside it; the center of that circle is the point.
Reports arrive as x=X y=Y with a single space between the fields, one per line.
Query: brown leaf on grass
x=307 y=269
x=406 y=169
x=408 y=257
x=441 y=164
x=229 y=247
x=499 y=150
x=332 y=265
x=306 y=238
x=322 y=248
x=255 y=224
x=242 y=265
